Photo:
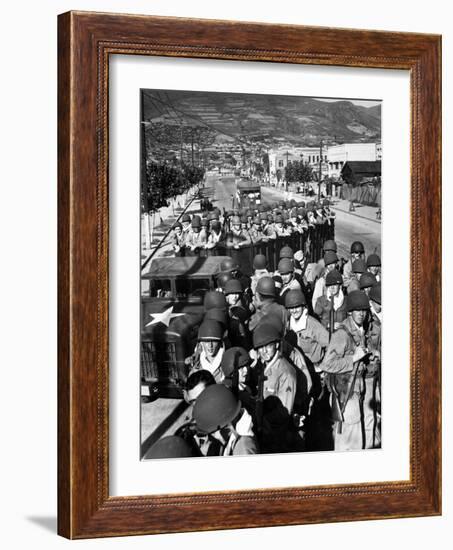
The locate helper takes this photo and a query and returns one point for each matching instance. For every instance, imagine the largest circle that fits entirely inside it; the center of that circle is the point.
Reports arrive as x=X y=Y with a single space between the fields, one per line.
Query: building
x=280 y=158
x=338 y=155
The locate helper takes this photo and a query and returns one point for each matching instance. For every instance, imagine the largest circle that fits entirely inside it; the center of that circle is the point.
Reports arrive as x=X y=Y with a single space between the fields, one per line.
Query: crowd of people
x=243 y=227
x=287 y=360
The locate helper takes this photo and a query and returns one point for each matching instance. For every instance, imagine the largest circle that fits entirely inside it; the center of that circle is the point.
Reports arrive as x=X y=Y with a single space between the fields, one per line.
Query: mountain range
x=265 y=118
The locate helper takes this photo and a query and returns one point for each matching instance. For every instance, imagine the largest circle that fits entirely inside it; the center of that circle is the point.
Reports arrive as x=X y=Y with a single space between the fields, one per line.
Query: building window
x=280 y=163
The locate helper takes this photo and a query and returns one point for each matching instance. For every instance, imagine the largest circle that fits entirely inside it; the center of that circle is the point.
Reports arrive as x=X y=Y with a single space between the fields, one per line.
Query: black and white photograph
x=260 y=274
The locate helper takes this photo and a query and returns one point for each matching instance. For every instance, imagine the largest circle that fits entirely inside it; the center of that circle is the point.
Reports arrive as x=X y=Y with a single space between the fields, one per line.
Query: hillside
x=265 y=118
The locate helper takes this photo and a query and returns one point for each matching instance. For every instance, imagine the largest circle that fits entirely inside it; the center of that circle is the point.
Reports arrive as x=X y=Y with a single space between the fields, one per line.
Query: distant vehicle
x=249 y=193
x=170 y=317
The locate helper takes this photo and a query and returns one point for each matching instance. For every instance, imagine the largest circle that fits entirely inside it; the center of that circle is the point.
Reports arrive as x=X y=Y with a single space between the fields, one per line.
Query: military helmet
x=358 y=266
x=279 y=218
x=244 y=219
x=214 y=299
x=265 y=333
x=196 y=221
x=223 y=278
x=217 y=314
x=233 y=286
x=234 y=358
x=286 y=252
x=373 y=260
x=270 y=218
x=357 y=247
x=367 y=280
x=186 y=217
x=210 y=330
x=215 y=224
x=215 y=407
x=330 y=258
x=294 y=298
x=285 y=265
x=256 y=220
x=177 y=224
x=204 y=222
x=357 y=300
x=228 y=264
x=259 y=261
x=302 y=204
x=330 y=245
x=375 y=293
x=171 y=446
x=263 y=217
x=236 y=220
x=334 y=277
x=266 y=287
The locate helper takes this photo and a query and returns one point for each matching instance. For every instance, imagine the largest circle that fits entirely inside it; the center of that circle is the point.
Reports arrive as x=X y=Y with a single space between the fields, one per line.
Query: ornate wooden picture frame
x=86 y=40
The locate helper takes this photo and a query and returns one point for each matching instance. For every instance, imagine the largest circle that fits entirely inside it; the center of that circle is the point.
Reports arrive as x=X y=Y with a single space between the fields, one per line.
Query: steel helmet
x=302 y=204
x=266 y=287
x=217 y=314
x=334 y=277
x=196 y=222
x=204 y=222
x=185 y=217
x=279 y=218
x=330 y=245
x=359 y=266
x=215 y=407
x=285 y=265
x=235 y=357
x=259 y=261
x=171 y=446
x=265 y=333
x=215 y=224
x=367 y=280
x=210 y=330
x=214 y=299
x=357 y=299
x=357 y=247
x=236 y=220
x=223 y=278
x=256 y=220
x=373 y=260
x=177 y=224
x=286 y=252
x=244 y=219
x=294 y=298
x=375 y=293
x=270 y=218
x=233 y=286
x=228 y=265
x=330 y=257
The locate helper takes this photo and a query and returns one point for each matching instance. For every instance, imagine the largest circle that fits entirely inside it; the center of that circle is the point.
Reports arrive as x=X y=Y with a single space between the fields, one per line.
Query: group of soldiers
x=243 y=227
x=285 y=361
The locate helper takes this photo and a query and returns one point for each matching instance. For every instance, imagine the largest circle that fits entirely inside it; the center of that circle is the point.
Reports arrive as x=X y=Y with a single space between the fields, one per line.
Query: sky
x=361 y=102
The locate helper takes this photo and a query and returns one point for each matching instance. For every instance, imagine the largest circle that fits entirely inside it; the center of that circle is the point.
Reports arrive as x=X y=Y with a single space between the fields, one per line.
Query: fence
x=311 y=242
x=369 y=194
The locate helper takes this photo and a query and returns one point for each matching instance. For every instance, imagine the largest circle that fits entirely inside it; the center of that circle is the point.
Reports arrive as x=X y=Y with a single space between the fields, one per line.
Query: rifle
x=331 y=318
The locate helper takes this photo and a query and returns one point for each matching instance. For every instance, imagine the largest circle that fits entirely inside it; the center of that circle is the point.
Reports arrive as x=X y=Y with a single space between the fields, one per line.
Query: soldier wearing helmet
x=373 y=264
x=196 y=239
x=177 y=239
x=260 y=270
x=171 y=446
x=286 y=270
x=265 y=302
x=312 y=337
x=237 y=237
x=238 y=315
x=267 y=227
x=215 y=235
x=330 y=263
x=219 y=414
x=276 y=390
x=367 y=281
x=357 y=253
x=255 y=232
x=351 y=380
x=332 y=304
x=210 y=348
x=279 y=227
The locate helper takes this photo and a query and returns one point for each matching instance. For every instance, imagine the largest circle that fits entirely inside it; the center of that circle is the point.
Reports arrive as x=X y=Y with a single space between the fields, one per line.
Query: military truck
x=170 y=316
x=249 y=193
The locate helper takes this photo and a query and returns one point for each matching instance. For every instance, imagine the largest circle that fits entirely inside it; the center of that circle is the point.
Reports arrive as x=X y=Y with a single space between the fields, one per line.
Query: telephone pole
x=320 y=171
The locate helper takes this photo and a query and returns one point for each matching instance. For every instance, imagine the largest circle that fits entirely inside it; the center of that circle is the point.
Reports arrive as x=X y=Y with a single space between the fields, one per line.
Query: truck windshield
x=160 y=288
x=191 y=288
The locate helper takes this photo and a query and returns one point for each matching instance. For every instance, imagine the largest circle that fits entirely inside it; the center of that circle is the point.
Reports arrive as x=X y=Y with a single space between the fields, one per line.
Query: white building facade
x=338 y=155
x=280 y=158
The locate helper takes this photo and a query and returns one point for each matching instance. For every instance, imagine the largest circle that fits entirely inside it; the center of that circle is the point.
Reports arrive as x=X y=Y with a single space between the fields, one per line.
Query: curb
x=356 y=215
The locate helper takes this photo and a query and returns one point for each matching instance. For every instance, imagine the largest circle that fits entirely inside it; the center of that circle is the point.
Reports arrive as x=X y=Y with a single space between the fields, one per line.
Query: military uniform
x=280 y=381
x=323 y=308
x=240 y=239
x=360 y=428
x=271 y=308
x=312 y=337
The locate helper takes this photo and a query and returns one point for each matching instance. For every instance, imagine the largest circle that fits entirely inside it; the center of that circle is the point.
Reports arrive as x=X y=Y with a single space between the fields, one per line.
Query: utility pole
x=143 y=174
x=320 y=171
x=192 y=145
x=286 y=171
